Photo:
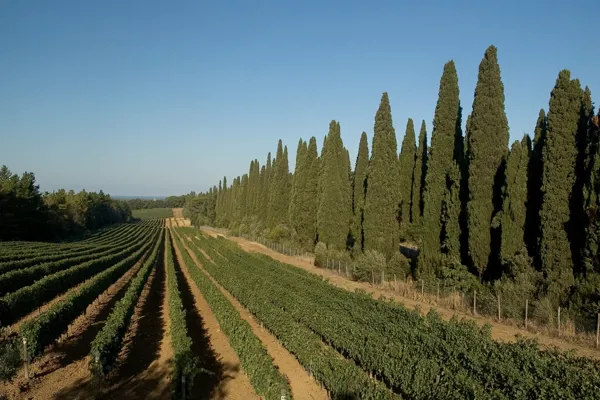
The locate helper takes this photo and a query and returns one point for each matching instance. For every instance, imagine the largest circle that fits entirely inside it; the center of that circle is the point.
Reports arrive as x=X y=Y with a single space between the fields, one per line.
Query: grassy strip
x=107 y=344
x=257 y=363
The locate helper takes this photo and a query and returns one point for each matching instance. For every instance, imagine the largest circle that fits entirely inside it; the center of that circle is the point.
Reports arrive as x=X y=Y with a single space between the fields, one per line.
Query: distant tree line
x=169 y=202
x=27 y=214
x=527 y=216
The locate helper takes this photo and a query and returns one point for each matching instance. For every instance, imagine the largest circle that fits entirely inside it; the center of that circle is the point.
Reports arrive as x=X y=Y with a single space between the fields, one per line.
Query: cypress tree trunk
x=419 y=176
x=380 y=226
x=515 y=199
x=407 y=168
x=488 y=144
x=360 y=189
x=559 y=160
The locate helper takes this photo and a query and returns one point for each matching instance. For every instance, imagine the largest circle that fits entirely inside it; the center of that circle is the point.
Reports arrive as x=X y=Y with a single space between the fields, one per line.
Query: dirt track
x=500 y=331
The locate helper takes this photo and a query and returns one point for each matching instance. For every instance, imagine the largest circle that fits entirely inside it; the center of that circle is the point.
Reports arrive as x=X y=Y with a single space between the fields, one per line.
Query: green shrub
x=10 y=358
x=321 y=255
x=368 y=266
x=399 y=266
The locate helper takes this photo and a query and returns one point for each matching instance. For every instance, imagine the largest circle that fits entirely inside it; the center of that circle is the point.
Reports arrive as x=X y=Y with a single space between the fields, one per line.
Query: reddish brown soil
x=64 y=367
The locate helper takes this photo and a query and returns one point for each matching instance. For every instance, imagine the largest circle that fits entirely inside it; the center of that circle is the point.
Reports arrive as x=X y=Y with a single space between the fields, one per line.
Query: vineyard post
x=453 y=298
x=499 y=317
x=382 y=278
x=395 y=283
x=438 y=291
x=598 y=331
x=474 y=302
x=422 y=289
x=26 y=357
x=526 y=311
x=372 y=277
x=558 y=321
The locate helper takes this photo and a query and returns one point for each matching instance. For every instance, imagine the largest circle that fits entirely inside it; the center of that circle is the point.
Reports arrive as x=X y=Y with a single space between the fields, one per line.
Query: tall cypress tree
x=280 y=188
x=333 y=214
x=559 y=159
x=359 y=186
x=407 y=168
x=266 y=190
x=488 y=143
x=380 y=226
x=298 y=186
x=441 y=170
x=534 y=189
x=419 y=174
x=309 y=196
x=515 y=198
x=577 y=222
x=591 y=249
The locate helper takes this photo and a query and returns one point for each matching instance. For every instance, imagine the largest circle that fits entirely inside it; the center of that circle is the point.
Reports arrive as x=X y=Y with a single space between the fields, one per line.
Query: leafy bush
x=368 y=266
x=10 y=358
x=399 y=266
x=320 y=255
x=280 y=233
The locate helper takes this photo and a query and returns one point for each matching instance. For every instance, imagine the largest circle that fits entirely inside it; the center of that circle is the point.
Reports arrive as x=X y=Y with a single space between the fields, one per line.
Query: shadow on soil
x=78 y=347
x=206 y=385
x=142 y=346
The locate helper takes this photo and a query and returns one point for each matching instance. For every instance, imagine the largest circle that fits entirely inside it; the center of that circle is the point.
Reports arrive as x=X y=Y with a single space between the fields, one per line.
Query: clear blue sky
x=165 y=97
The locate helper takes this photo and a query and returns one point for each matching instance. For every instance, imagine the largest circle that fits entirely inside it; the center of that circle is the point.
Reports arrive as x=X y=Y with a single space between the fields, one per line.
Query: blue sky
x=159 y=97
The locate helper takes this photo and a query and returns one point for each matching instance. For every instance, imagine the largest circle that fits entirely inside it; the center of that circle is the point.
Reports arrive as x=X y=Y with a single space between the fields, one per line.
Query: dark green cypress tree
x=309 y=196
x=243 y=197
x=333 y=214
x=419 y=174
x=279 y=199
x=298 y=187
x=577 y=223
x=534 y=190
x=266 y=191
x=407 y=161
x=591 y=249
x=515 y=199
x=380 y=226
x=488 y=144
x=440 y=172
x=359 y=186
x=559 y=159
x=451 y=208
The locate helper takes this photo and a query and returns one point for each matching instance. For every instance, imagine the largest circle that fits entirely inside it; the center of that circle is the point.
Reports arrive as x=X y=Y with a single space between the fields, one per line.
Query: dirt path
x=233 y=383
x=501 y=332
x=64 y=367
x=144 y=371
x=302 y=385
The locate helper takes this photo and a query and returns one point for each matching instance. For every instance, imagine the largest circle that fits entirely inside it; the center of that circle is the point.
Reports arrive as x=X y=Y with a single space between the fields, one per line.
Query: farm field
x=157 y=310
x=152 y=213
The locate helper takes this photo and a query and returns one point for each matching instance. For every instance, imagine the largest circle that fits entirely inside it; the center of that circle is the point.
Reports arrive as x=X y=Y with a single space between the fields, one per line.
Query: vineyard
x=153 y=309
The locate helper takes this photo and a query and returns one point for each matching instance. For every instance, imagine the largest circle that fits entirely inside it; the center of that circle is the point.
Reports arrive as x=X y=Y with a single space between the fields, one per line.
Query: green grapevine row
x=258 y=365
x=46 y=328
x=107 y=344
x=19 y=303
x=14 y=280
x=421 y=357
x=342 y=378
x=186 y=364
x=31 y=249
x=55 y=255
